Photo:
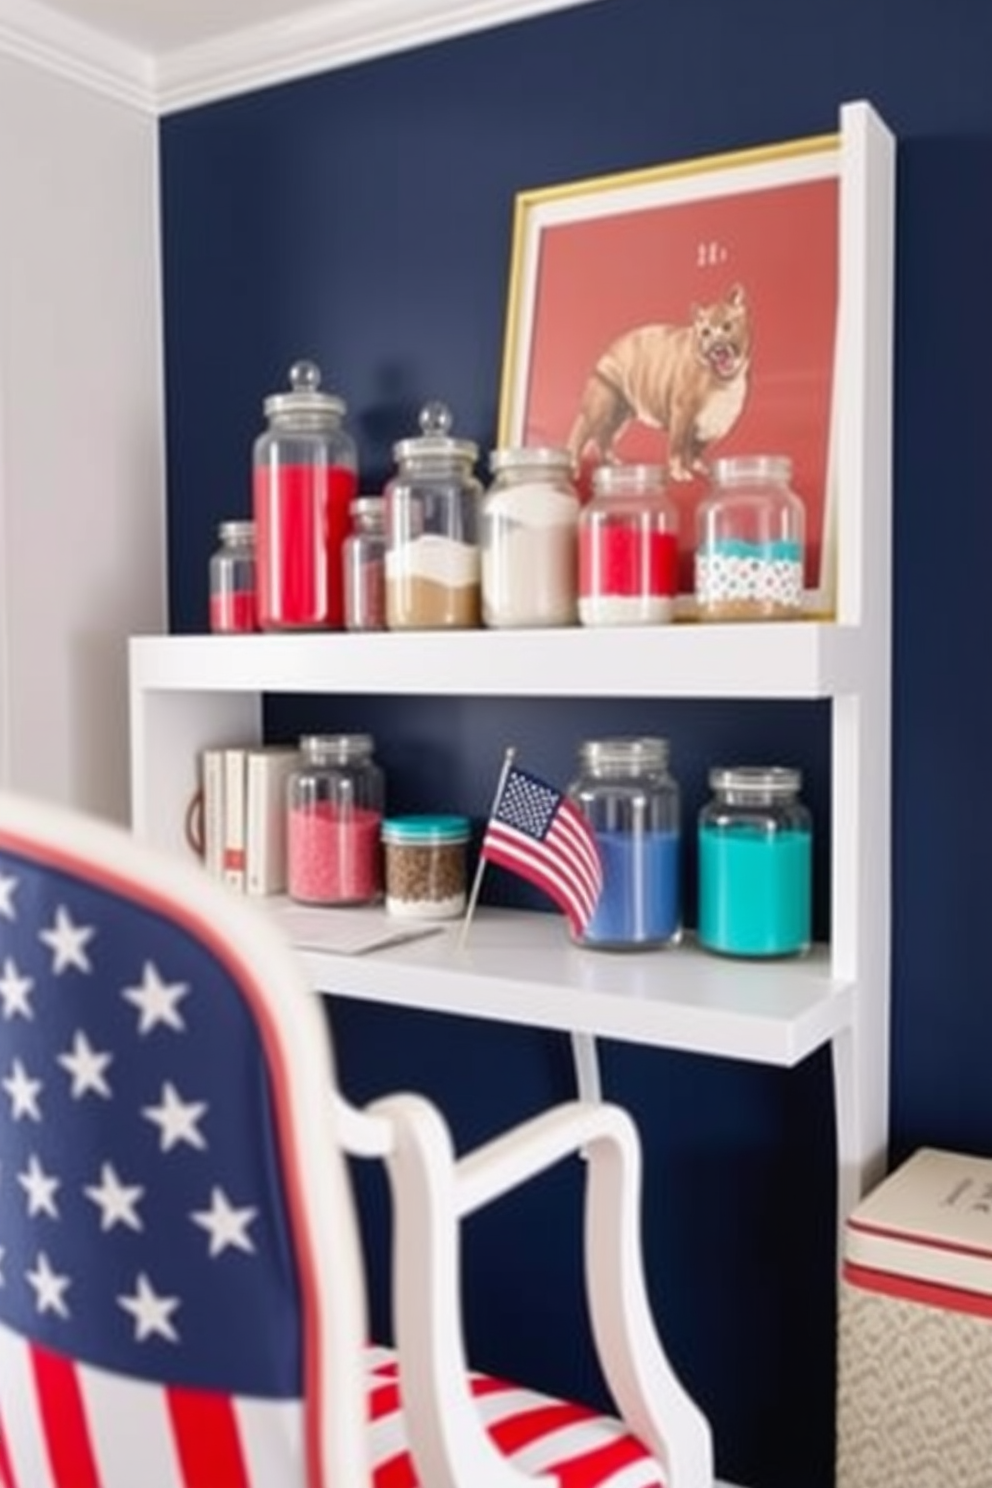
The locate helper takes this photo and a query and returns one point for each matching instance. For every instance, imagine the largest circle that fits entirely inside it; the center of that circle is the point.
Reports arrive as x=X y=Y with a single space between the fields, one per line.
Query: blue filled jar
x=625 y=792
x=755 y=864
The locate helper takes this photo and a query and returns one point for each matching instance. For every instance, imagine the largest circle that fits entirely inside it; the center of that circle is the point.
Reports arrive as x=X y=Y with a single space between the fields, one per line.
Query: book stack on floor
x=244 y=815
x=914 y=1405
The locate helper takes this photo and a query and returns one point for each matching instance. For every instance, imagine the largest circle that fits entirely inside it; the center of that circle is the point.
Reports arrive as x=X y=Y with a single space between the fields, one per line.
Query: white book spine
x=265 y=828
x=212 y=786
x=234 y=818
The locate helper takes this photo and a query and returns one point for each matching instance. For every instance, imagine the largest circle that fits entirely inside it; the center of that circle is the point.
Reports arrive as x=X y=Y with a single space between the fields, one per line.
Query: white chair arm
x=436 y=1191
x=448 y=1441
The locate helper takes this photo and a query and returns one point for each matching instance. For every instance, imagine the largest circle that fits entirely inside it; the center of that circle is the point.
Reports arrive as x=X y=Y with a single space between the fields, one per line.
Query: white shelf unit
x=189 y=692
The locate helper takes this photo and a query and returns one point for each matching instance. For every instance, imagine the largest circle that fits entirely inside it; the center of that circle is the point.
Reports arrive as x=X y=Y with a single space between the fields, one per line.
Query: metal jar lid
x=758 y=780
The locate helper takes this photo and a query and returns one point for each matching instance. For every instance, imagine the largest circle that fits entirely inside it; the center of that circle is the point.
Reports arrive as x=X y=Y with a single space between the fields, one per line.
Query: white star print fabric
x=147 y=1283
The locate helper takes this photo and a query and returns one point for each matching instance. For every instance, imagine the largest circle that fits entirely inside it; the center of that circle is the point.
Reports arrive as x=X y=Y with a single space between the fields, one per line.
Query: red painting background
x=599 y=278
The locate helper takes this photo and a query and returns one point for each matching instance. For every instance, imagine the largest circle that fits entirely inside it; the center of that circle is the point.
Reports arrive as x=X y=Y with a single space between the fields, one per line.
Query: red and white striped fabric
x=62 y=1422
x=71 y=1423
x=538 y=1434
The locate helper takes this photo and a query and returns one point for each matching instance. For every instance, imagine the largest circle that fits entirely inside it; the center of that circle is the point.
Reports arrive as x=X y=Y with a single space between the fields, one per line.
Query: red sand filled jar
x=232 y=579
x=305 y=476
x=628 y=548
x=336 y=799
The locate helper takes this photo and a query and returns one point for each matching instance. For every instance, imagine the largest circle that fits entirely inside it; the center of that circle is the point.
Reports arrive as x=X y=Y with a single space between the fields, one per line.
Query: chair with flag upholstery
x=182 y=1298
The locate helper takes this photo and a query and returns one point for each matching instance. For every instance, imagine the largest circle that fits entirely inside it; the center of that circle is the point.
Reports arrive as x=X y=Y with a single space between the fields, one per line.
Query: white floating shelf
x=794 y=659
x=520 y=967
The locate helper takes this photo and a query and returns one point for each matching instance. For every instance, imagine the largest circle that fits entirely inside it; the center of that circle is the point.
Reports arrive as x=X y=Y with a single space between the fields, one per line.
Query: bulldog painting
x=690 y=381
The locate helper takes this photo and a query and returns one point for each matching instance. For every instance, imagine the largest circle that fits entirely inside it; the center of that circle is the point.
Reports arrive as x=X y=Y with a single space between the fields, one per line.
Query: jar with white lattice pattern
x=750 y=547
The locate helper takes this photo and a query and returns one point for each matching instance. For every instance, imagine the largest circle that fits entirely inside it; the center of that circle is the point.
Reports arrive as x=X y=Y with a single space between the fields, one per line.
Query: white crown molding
x=323 y=38
x=314 y=40
x=34 y=33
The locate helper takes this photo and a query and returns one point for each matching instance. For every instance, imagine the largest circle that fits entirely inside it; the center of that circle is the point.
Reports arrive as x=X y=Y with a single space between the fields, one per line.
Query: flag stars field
x=152 y=1313
x=15 y=991
x=23 y=1092
x=7 y=886
x=157 y=1001
x=86 y=1066
x=116 y=1200
x=40 y=1188
x=225 y=1225
x=67 y=942
x=177 y=1119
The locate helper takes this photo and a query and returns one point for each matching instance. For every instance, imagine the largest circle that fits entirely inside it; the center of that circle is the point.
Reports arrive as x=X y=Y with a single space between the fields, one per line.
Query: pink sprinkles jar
x=336 y=799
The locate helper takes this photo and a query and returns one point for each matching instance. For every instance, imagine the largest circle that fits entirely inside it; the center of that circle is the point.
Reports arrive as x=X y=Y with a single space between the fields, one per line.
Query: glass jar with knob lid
x=631 y=801
x=750 y=542
x=335 y=803
x=530 y=518
x=433 y=564
x=755 y=863
x=305 y=476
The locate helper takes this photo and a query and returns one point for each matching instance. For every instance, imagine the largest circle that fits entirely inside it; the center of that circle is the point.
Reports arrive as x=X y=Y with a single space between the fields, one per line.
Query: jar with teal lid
x=750 y=542
x=755 y=863
x=424 y=861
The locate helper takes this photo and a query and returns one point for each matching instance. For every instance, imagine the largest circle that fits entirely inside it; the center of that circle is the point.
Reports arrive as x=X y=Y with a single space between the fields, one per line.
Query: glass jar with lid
x=425 y=866
x=750 y=542
x=305 y=476
x=755 y=863
x=433 y=565
x=335 y=802
x=364 y=560
x=631 y=801
x=530 y=518
x=628 y=548
x=232 y=579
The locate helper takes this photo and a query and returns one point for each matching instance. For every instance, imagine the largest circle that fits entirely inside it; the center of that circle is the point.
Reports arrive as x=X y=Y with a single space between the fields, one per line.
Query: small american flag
x=538 y=833
x=150 y=1303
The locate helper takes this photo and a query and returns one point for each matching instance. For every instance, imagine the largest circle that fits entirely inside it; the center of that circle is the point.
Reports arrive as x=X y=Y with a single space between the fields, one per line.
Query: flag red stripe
x=207 y=1441
x=63 y=1415
x=7 y=1479
x=384 y=1400
x=520 y=856
x=520 y=1430
x=398 y=1472
x=592 y=1468
x=573 y=825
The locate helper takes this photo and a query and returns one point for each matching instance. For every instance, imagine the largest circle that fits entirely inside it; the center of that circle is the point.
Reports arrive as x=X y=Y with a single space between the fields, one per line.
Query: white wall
x=82 y=508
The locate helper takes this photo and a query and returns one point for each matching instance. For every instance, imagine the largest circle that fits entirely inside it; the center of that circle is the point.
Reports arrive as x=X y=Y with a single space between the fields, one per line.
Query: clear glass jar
x=632 y=803
x=425 y=866
x=750 y=548
x=232 y=579
x=628 y=548
x=432 y=530
x=365 y=565
x=530 y=518
x=755 y=863
x=335 y=801
x=305 y=477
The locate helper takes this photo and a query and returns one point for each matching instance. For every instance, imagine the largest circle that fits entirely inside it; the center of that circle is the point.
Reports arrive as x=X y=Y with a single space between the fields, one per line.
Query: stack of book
x=244 y=815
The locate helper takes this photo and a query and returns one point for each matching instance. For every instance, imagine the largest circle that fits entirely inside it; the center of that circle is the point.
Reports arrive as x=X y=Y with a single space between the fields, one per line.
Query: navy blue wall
x=364 y=217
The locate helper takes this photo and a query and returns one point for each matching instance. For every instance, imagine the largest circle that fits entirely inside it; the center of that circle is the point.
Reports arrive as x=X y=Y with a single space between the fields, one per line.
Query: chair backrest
x=182 y=1301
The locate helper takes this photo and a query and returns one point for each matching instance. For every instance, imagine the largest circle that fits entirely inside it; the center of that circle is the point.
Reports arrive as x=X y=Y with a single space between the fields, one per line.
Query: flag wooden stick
x=508 y=759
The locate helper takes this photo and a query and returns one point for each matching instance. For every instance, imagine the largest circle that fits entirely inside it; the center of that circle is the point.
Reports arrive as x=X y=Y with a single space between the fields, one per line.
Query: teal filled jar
x=755 y=863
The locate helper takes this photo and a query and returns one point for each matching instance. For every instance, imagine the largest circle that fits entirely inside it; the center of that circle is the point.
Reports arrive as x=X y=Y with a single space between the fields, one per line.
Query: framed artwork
x=682 y=313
